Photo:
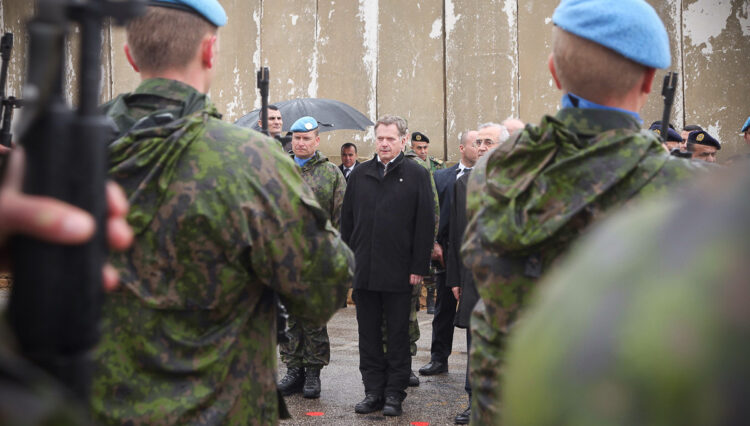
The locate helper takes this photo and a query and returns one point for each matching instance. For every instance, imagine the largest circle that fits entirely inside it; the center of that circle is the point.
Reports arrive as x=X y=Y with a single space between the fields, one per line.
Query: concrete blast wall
x=445 y=65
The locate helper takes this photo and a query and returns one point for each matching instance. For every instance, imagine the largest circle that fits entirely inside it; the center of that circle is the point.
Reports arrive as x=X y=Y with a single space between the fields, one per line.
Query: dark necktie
x=462 y=172
x=346 y=172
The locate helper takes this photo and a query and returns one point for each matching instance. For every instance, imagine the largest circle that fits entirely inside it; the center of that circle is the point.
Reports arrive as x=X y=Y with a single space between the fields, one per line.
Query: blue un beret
x=629 y=27
x=304 y=124
x=211 y=10
x=746 y=125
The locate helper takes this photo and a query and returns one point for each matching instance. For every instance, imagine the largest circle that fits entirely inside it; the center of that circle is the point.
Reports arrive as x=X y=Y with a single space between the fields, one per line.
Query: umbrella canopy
x=331 y=114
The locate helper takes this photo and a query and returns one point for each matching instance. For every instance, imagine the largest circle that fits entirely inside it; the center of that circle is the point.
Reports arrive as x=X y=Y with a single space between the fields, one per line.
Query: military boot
x=311 y=389
x=293 y=381
x=430 y=301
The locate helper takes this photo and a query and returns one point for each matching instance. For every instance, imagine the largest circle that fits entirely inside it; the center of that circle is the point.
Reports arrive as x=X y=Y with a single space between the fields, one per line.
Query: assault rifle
x=54 y=307
x=667 y=92
x=281 y=313
x=7 y=103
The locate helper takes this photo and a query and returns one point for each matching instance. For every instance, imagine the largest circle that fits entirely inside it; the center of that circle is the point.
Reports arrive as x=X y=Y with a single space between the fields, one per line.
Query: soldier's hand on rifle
x=4 y=150
x=55 y=221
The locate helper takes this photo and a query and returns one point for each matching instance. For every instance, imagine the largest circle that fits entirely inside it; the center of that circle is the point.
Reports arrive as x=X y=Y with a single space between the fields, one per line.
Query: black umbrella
x=331 y=114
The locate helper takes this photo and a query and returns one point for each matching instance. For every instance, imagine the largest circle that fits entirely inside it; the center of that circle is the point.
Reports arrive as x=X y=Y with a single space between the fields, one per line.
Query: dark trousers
x=442 y=322
x=383 y=373
x=467 y=385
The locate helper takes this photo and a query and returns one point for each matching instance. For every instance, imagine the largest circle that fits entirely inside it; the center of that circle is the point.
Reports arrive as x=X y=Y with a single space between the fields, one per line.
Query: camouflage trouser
x=413 y=324
x=307 y=346
x=486 y=360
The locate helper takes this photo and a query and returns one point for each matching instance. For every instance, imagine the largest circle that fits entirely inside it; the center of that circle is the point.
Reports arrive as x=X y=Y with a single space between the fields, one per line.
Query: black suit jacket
x=389 y=223
x=444 y=181
x=341 y=167
x=456 y=273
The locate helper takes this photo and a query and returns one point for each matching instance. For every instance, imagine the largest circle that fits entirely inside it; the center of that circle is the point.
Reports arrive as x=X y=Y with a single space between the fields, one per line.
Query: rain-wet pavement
x=436 y=401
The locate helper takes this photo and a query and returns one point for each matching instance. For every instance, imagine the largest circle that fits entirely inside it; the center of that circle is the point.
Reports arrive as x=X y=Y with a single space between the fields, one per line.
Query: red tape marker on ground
x=420 y=424
x=315 y=414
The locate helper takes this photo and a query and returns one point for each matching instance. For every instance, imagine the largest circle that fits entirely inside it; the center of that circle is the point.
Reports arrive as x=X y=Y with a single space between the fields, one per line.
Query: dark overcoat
x=456 y=272
x=389 y=223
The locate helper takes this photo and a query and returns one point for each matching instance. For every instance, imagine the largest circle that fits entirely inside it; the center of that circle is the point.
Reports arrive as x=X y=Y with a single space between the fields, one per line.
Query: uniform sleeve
x=338 y=198
x=294 y=249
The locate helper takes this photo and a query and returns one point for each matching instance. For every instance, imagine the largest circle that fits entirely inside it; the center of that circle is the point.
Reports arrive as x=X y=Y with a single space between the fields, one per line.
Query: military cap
x=304 y=124
x=672 y=135
x=210 y=10
x=746 y=125
x=702 y=138
x=419 y=137
x=629 y=27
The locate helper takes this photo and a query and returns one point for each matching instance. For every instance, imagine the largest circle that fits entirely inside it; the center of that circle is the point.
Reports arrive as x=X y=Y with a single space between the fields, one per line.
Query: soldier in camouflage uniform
x=420 y=145
x=308 y=348
x=646 y=323
x=533 y=195
x=223 y=224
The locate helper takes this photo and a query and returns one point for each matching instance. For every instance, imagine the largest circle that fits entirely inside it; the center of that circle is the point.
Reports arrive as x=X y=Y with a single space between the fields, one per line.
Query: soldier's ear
x=648 y=80
x=553 y=71
x=209 y=49
x=131 y=61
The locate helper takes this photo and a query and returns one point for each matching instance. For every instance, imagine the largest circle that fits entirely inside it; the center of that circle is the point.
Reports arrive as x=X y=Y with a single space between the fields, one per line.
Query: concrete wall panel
x=410 y=66
x=669 y=12
x=445 y=65
x=235 y=85
x=347 y=56
x=538 y=93
x=717 y=81
x=289 y=48
x=481 y=78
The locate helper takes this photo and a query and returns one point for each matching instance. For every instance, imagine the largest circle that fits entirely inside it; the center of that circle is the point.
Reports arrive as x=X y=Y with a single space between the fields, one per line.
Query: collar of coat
x=395 y=164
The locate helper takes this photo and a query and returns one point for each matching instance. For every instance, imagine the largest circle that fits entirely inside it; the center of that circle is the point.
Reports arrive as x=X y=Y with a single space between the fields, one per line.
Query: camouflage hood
x=564 y=166
x=144 y=159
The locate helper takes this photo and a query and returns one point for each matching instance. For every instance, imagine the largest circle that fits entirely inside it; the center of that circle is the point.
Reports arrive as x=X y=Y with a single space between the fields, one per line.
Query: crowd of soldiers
x=643 y=321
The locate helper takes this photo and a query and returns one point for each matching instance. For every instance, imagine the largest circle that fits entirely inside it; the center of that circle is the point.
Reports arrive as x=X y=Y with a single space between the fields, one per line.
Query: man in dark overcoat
x=389 y=222
x=445 y=304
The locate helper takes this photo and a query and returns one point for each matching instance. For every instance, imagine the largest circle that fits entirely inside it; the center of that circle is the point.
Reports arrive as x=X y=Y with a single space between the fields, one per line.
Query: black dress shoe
x=392 y=406
x=434 y=367
x=370 y=404
x=293 y=381
x=413 y=380
x=463 y=418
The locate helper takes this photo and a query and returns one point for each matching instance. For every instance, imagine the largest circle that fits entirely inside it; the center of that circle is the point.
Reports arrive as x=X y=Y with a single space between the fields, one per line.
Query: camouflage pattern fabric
x=530 y=198
x=29 y=396
x=646 y=323
x=308 y=345
x=221 y=217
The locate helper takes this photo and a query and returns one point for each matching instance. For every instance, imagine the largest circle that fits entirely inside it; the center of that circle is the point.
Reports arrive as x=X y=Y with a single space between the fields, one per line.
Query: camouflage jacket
x=645 y=322
x=531 y=197
x=328 y=184
x=414 y=157
x=221 y=218
x=432 y=163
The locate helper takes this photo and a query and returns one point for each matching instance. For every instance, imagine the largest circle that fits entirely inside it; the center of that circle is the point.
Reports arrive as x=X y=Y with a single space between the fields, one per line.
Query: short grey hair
x=504 y=134
x=388 y=120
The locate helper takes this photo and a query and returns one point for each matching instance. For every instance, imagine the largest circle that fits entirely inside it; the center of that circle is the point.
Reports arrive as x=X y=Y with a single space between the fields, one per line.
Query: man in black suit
x=388 y=220
x=445 y=303
x=348 y=159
